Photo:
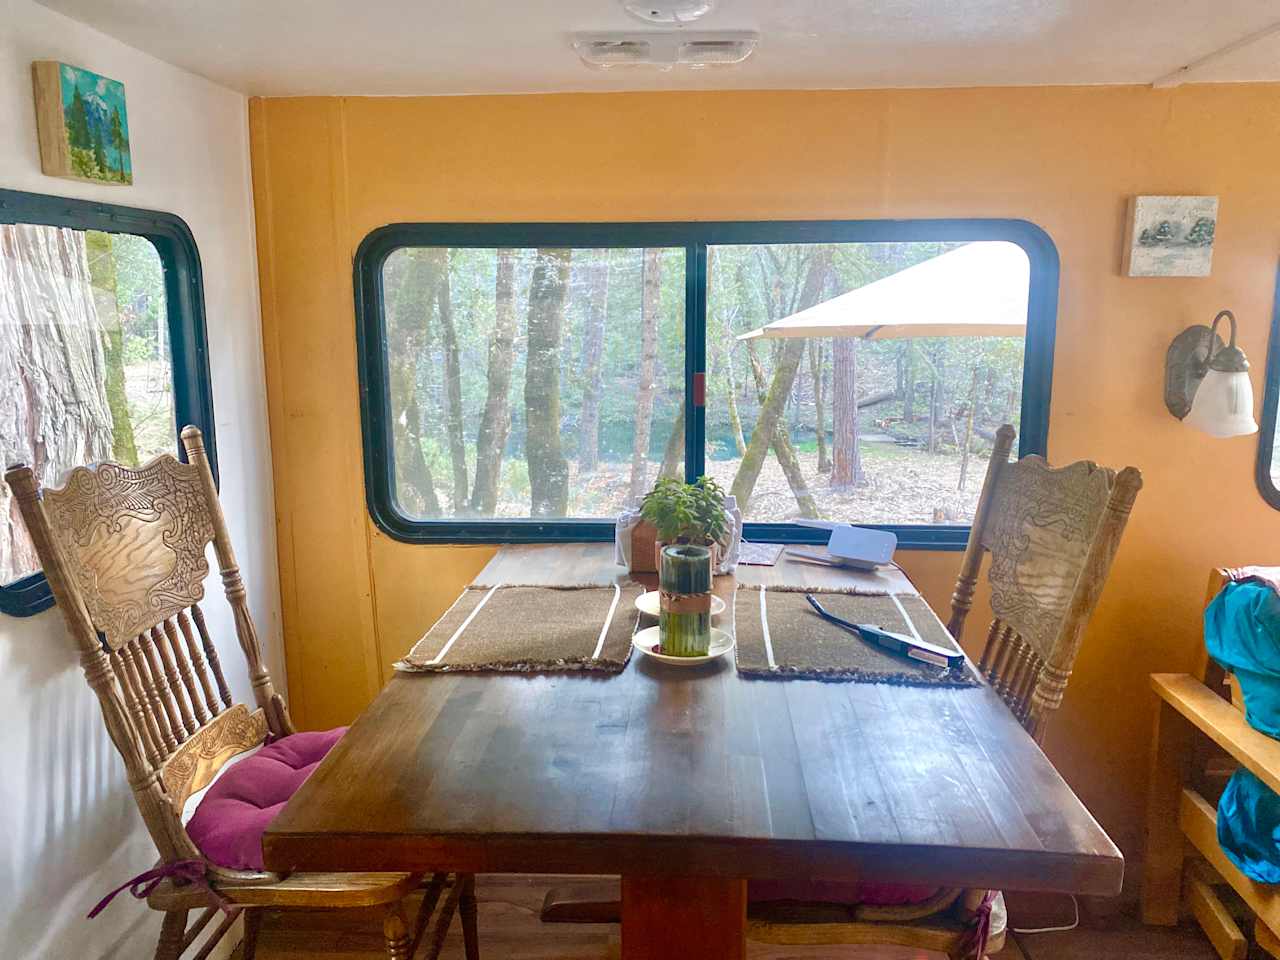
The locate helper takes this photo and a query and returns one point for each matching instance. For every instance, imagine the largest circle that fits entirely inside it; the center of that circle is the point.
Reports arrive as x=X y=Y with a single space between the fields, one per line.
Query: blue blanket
x=1242 y=633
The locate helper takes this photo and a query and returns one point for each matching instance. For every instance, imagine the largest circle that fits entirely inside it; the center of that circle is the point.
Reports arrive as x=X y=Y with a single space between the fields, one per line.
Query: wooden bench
x=1194 y=717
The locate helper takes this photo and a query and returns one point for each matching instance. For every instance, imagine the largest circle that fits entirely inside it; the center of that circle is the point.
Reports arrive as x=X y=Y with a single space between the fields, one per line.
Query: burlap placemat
x=530 y=630
x=787 y=640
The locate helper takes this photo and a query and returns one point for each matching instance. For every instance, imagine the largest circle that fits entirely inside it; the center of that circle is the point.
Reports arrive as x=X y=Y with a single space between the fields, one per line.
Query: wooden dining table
x=687 y=782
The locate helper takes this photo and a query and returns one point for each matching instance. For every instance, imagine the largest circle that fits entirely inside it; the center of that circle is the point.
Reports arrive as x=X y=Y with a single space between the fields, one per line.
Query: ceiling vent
x=675 y=13
x=663 y=51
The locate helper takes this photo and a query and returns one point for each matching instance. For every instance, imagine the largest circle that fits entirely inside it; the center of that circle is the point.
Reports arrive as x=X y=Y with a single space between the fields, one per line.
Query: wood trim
x=1222 y=723
x=51 y=130
x=193 y=765
x=1199 y=821
x=1215 y=920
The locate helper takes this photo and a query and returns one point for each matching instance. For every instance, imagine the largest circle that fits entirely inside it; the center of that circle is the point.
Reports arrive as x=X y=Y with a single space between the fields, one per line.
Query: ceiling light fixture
x=664 y=51
x=669 y=12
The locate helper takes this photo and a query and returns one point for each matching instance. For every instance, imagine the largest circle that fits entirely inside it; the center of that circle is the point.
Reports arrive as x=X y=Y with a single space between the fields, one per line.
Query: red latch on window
x=699 y=389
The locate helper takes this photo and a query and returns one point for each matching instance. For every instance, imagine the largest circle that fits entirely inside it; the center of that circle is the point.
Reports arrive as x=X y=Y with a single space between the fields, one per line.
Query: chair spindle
x=167 y=682
x=122 y=662
x=211 y=654
x=149 y=670
x=175 y=665
x=197 y=662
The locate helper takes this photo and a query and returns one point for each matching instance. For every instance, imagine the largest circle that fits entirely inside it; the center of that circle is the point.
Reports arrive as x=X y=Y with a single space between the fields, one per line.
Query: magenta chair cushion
x=833 y=891
x=229 y=822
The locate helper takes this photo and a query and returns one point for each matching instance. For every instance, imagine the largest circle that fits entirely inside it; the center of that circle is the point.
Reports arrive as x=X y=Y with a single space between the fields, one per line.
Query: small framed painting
x=1170 y=236
x=82 y=123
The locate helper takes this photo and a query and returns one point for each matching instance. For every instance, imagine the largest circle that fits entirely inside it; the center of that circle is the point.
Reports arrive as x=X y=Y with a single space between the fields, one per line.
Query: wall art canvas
x=1171 y=236
x=83 y=124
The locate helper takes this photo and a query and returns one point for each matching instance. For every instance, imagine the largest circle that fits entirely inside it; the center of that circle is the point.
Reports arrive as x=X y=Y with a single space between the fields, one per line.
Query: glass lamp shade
x=1223 y=405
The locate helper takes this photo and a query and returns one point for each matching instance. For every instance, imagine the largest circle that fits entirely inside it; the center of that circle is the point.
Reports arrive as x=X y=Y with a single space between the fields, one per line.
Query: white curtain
x=53 y=402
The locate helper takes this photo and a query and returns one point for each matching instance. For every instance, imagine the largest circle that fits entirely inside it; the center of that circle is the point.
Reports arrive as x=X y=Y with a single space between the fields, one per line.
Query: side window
x=101 y=332
x=1268 y=435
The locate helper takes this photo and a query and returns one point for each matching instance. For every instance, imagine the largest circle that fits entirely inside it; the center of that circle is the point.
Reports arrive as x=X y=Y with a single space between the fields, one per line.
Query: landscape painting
x=83 y=124
x=1171 y=236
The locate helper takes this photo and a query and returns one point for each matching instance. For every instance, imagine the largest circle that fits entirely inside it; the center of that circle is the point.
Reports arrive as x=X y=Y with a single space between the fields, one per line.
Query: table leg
x=1172 y=751
x=673 y=918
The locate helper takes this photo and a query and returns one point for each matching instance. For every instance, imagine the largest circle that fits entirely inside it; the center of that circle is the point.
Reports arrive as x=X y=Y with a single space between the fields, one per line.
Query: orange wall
x=328 y=170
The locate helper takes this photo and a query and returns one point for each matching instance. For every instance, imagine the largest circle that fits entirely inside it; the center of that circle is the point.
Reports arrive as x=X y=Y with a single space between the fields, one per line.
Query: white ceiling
x=291 y=47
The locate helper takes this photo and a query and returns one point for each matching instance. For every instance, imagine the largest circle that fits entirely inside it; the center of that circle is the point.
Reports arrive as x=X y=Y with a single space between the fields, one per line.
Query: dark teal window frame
x=695 y=238
x=1270 y=402
x=184 y=302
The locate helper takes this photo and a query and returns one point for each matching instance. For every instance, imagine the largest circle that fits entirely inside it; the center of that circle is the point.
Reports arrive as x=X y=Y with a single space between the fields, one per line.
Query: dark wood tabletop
x=691 y=772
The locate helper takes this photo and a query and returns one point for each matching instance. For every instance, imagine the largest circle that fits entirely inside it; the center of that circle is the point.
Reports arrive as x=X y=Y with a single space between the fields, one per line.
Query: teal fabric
x=1249 y=827
x=1242 y=632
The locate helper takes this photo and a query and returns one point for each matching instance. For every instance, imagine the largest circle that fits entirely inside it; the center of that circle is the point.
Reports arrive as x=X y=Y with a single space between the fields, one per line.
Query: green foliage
x=686 y=512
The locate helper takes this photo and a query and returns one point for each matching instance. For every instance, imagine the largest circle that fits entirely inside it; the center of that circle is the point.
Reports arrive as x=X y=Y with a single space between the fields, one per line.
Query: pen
x=893 y=642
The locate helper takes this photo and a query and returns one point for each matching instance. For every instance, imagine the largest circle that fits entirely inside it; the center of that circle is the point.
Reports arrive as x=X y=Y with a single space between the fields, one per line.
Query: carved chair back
x=1051 y=535
x=125 y=553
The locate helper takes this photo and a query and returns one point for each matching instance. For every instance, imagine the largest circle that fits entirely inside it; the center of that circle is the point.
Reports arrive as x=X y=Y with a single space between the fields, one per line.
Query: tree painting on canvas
x=83 y=124
x=1171 y=236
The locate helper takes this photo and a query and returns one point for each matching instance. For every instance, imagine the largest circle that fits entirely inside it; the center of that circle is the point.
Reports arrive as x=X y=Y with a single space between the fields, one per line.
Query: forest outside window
x=100 y=333
x=529 y=382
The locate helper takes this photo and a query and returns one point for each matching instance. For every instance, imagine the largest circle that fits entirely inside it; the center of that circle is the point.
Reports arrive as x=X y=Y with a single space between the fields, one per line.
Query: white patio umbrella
x=978 y=290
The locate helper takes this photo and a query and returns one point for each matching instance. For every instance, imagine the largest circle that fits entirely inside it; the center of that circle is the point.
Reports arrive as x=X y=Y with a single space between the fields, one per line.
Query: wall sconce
x=1206 y=382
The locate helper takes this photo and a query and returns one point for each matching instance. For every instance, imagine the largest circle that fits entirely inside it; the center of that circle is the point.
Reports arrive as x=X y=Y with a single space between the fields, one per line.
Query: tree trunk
x=548 y=468
x=408 y=330
x=674 y=453
x=495 y=422
x=102 y=269
x=651 y=289
x=968 y=429
x=784 y=375
x=452 y=385
x=783 y=448
x=53 y=410
x=909 y=382
x=933 y=413
x=592 y=350
x=816 y=356
x=735 y=421
x=846 y=466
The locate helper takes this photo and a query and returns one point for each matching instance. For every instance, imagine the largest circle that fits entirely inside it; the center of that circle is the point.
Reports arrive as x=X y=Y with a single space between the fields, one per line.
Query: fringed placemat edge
x=596 y=665
x=956 y=677
x=849 y=591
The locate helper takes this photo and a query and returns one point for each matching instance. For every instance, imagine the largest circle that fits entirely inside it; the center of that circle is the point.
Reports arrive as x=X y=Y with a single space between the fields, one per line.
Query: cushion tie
x=141 y=886
x=975 y=939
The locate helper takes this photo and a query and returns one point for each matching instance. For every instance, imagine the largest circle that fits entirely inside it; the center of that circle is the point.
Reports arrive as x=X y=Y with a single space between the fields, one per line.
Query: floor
x=510 y=930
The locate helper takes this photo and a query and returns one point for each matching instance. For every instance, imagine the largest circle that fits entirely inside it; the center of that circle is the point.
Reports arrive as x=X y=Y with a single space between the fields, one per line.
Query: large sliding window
x=102 y=351
x=527 y=382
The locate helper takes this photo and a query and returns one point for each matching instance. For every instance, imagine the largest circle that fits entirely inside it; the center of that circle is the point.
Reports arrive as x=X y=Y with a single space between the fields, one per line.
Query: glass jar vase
x=684 y=585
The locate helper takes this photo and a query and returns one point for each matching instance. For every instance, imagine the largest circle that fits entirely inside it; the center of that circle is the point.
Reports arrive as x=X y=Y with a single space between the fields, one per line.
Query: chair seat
x=868 y=893
x=229 y=822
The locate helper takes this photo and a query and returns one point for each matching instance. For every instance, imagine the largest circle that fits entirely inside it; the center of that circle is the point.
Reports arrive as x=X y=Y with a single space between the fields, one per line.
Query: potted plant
x=686 y=513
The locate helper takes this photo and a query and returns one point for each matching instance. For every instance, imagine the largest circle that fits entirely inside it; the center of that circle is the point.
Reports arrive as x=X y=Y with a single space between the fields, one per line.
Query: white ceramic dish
x=650 y=602
x=645 y=640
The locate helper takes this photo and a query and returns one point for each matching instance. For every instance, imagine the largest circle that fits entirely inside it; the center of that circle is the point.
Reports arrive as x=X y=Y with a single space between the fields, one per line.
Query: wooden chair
x=125 y=554
x=1052 y=534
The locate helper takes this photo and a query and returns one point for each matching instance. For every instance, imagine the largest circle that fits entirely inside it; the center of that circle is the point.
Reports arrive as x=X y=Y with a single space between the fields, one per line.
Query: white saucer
x=650 y=603
x=645 y=640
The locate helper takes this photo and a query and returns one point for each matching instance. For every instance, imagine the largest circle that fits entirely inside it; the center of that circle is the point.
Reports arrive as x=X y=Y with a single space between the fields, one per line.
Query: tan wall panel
x=328 y=171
